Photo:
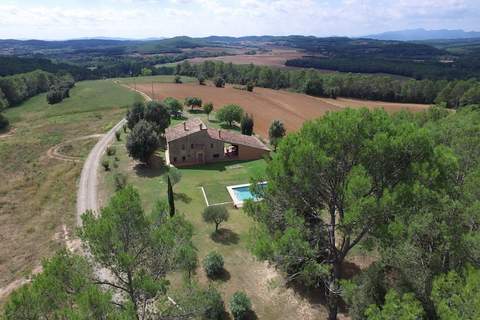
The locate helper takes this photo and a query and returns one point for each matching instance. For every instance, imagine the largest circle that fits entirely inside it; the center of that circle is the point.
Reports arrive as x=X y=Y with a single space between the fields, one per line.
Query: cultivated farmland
x=267 y=104
x=275 y=57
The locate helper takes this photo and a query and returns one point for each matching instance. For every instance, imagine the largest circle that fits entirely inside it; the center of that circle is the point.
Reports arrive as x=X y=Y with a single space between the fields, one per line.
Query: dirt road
x=87 y=188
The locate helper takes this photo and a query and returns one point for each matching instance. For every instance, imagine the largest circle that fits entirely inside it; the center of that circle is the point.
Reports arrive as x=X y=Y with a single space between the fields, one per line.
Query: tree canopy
x=337 y=180
x=143 y=141
x=276 y=132
x=157 y=114
x=138 y=253
x=229 y=114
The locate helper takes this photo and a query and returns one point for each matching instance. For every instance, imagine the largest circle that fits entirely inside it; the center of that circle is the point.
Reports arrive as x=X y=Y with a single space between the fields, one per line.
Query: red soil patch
x=266 y=105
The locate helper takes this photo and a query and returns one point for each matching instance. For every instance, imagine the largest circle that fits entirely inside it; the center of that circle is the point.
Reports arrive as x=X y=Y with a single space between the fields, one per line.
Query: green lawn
x=38 y=194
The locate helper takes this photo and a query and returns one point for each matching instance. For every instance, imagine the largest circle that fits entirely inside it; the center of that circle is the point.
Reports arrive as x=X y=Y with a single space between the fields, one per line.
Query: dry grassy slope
x=37 y=194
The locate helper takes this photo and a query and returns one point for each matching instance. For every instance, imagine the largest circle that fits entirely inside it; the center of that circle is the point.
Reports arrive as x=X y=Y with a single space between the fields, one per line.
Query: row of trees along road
x=405 y=186
x=454 y=94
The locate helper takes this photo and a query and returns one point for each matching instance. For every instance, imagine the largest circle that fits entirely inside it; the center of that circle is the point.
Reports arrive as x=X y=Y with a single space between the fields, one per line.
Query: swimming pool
x=241 y=192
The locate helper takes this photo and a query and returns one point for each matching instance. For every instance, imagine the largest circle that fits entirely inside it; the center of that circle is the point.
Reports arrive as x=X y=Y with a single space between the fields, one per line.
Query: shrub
x=4 y=123
x=178 y=79
x=118 y=135
x=214 y=306
x=213 y=264
x=193 y=102
x=219 y=82
x=201 y=80
x=125 y=127
x=240 y=305
x=106 y=165
x=120 y=181
x=250 y=86
x=111 y=150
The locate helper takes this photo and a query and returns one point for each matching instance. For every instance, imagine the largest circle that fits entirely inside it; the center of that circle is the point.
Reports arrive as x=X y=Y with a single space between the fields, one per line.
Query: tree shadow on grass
x=225 y=236
x=182 y=197
x=251 y=315
x=143 y=170
x=233 y=127
x=223 y=276
x=195 y=111
x=218 y=166
x=316 y=296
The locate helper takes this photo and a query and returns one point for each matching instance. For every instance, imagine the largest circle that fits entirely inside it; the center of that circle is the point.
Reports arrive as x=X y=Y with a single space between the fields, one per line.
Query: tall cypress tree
x=171 y=201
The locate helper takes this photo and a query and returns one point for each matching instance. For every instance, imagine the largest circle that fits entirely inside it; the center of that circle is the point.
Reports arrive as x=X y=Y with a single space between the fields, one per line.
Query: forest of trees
x=453 y=94
x=414 y=69
x=18 y=88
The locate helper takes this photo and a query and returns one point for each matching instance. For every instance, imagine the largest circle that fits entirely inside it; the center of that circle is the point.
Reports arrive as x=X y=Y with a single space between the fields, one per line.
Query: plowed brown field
x=267 y=105
x=276 y=57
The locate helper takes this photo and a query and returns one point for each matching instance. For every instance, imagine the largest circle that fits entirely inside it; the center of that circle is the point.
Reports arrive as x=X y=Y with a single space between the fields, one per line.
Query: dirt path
x=9 y=133
x=87 y=187
x=54 y=153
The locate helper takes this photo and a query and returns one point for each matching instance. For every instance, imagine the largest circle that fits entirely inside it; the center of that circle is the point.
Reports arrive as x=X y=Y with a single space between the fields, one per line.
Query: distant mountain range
x=422 y=34
x=118 y=38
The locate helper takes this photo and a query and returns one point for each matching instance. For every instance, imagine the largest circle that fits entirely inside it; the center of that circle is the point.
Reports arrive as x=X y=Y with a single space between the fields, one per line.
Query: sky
x=67 y=19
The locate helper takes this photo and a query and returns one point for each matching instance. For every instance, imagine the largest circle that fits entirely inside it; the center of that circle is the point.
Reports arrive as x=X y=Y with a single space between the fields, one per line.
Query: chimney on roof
x=185 y=125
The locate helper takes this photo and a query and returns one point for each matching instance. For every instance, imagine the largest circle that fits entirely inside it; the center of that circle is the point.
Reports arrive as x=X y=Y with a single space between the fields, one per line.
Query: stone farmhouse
x=191 y=142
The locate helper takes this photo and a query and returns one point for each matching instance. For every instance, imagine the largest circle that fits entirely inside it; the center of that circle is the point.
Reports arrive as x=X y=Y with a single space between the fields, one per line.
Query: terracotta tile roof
x=194 y=125
x=184 y=129
x=237 y=138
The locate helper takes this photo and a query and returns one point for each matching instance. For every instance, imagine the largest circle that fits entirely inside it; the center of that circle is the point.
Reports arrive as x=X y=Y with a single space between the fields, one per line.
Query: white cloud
x=145 y=18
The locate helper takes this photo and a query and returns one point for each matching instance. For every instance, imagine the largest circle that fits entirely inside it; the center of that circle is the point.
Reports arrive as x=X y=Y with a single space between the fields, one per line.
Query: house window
x=211 y=145
x=216 y=155
x=183 y=158
x=191 y=146
x=183 y=147
x=174 y=159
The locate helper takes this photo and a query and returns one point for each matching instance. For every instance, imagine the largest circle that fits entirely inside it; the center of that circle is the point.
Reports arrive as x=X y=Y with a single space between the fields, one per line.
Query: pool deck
x=237 y=203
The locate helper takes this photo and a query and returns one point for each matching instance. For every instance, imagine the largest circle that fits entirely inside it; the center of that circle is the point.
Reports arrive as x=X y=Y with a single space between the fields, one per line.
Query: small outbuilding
x=192 y=142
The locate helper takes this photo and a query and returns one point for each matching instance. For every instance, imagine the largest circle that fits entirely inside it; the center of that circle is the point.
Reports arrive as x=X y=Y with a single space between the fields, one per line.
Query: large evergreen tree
x=333 y=183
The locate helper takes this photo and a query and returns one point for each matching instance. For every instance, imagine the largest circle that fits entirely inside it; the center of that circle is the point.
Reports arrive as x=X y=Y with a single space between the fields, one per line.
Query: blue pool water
x=243 y=193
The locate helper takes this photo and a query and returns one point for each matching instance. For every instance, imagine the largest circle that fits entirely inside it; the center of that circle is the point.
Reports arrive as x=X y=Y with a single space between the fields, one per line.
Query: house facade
x=192 y=142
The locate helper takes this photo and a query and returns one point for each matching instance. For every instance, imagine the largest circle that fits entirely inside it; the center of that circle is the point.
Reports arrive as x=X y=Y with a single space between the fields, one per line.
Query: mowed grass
x=38 y=194
x=270 y=298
